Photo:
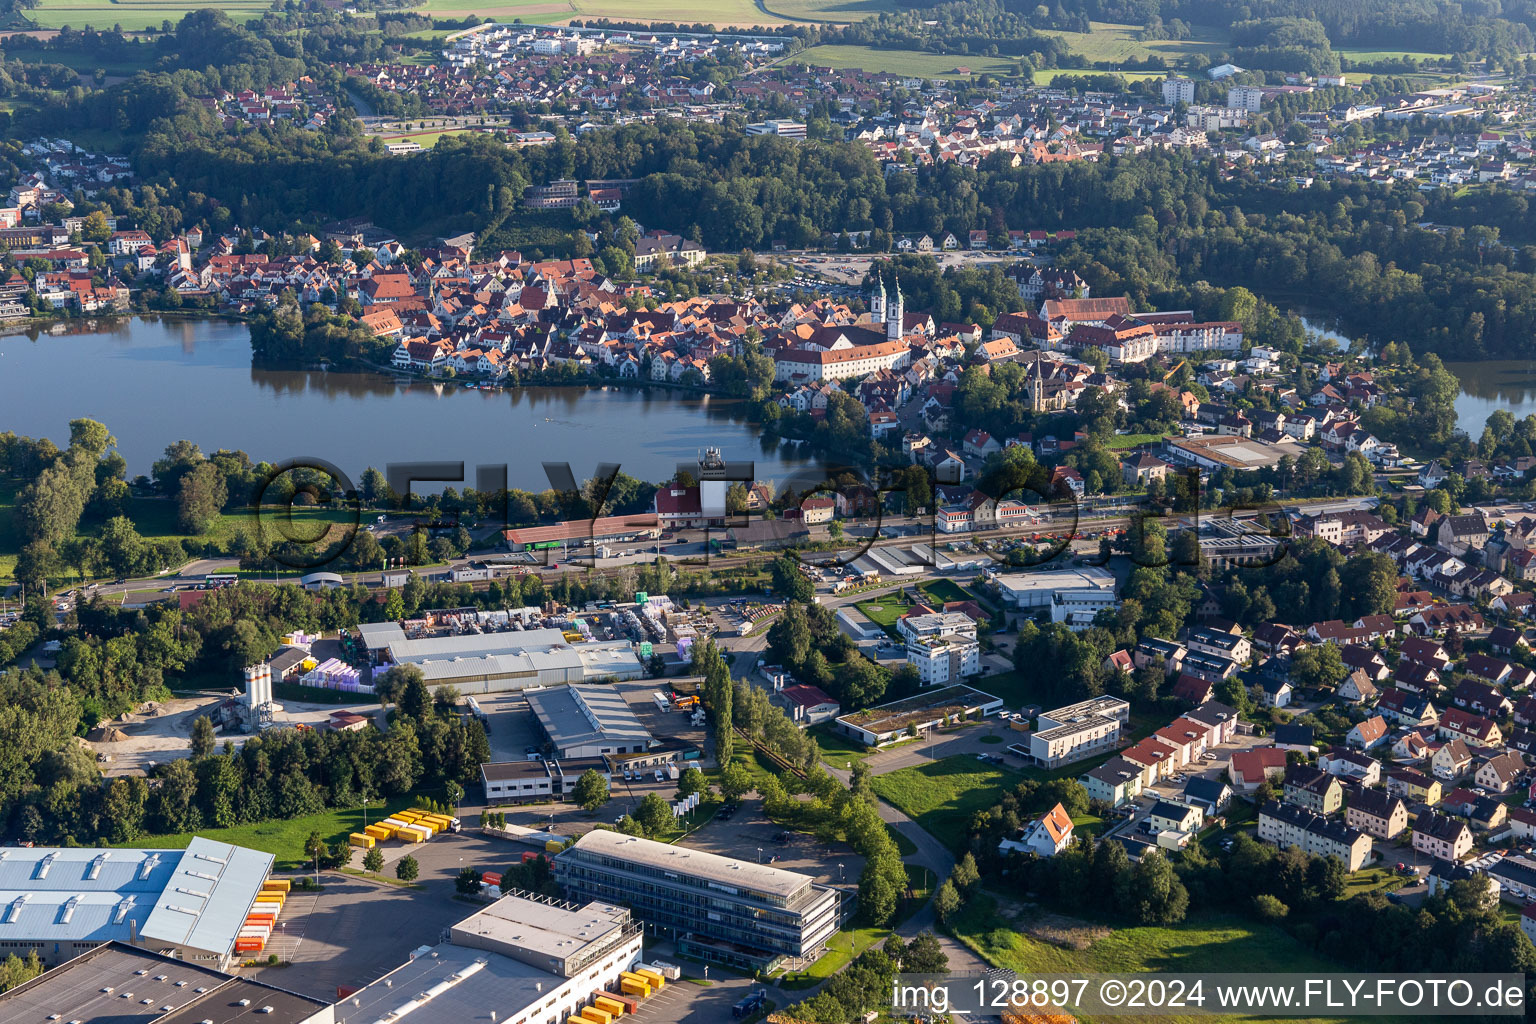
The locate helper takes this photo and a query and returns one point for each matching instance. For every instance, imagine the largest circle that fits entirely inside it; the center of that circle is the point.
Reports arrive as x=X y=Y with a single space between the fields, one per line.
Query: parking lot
x=749 y=836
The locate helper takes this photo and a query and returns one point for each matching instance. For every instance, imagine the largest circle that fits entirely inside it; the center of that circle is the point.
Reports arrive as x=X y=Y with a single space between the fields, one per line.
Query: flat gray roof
x=209 y=895
x=120 y=984
x=512 y=653
x=469 y=983
x=696 y=864
x=74 y=989
x=545 y=928
x=573 y=715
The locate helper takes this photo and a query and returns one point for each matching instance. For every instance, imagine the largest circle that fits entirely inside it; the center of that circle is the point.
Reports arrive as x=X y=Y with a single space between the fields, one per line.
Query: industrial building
x=115 y=983
x=497 y=662
x=542 y=779
x=1073 y=596
x=524 y=959
x=746 y=915
x=189 y=904
x=588 y=721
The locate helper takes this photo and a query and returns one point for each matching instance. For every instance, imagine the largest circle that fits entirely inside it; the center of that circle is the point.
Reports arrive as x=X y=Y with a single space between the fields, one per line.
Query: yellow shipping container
x=653 y=978
x=394 y=822
x=611 y=1006
x=361 y=839
x=597 y=1016
x=553 y=846
x=634 y=987
x=379 y=832
x=279 y=884
x=411 y=834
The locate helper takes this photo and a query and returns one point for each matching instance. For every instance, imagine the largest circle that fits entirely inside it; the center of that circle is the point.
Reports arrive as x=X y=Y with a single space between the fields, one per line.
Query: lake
x=153 y=381
x=1493 y=384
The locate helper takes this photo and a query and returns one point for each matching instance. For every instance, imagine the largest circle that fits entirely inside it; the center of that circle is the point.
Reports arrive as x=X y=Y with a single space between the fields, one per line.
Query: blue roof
x=198 y=897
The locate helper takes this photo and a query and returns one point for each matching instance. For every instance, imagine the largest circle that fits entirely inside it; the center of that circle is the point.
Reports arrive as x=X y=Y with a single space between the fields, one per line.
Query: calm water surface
x=154 y=381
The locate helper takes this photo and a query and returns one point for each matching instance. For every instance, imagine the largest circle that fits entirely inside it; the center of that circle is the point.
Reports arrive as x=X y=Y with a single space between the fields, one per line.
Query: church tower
x=1037 y=389
x=895 y=317
x=877 y=301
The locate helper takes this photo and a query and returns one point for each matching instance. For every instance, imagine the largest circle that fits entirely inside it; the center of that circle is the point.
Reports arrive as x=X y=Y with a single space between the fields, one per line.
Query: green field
x=904 y=62
x=827 y=10
x=283 y=839
x=1366 y=55
x=83 y=62
x=133 y=15
x=1122 y=441
x=945 y=590
x=155 y=519
x=1206 y=943
x=426 y=139
x=943 y=796
x=1115 y=44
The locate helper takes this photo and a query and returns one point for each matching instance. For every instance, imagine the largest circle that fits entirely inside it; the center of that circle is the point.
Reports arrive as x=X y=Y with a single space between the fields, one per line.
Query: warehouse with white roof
x=189 y=903
x=496 y=662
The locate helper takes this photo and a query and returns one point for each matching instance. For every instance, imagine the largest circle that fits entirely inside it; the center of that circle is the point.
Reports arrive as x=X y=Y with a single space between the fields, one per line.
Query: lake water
x=154 y=381
x=1490 y=385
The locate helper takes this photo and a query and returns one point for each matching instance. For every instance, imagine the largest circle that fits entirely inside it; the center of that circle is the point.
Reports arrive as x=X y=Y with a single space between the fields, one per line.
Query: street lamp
x=759 y=854
x=839 y=873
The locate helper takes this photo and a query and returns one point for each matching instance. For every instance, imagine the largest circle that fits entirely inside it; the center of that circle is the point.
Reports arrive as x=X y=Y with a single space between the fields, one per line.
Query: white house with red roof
x=1045 y=837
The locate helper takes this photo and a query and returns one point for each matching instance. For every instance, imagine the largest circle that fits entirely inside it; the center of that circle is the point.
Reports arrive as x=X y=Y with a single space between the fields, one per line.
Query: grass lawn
x=884 y=611
x=1048 y=75
x=1115 y=44
x=836 y=749
x=155 y=519
x=943 y=796
x=1366 y=55
x=86 y=63
x=827 y=10
x=283 y=839
x=1205 y=943
x=919 y=63
x=424 y=139
x=848 y=943
x=945 y=590
x=1015 y=690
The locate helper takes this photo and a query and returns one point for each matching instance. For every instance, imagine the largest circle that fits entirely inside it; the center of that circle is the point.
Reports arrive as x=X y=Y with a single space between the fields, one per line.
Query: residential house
x=1368 y=734
x=1313 y=789
x=1500 y=772
x=1045 y=837
x=1287 y=825
x=1442 y=837
x=1451 y=761
x=1376 y=812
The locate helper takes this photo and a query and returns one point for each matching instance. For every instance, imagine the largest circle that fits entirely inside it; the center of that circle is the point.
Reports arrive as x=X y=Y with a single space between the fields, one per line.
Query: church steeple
x=1037 y=389
x=877 y=300
x=895 y=317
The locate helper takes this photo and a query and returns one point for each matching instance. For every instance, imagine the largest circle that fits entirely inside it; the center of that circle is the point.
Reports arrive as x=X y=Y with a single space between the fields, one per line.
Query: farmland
x=133 y=15
x=904 y=62
x=1115 y=44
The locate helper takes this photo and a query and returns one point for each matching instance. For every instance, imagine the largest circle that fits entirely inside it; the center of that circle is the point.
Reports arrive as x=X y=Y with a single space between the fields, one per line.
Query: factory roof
x=465 y=985
x=580 y=715
x=115 y=983
x=698 y=866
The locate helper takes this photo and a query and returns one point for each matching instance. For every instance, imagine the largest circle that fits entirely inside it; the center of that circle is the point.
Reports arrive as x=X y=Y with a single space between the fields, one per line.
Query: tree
x=924 y=955
x=789 y=582
x=965 y=874
x=946 y=901
x=201 y=497
x=468 y=881
x=735 y=782
x=1158 y=897
x=1268 y=908
x=690 y=782
x=373 y=860
x=654 y=814
x=406 y=869
x=591 y=790
x=1318 y=666
x=202 y=737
